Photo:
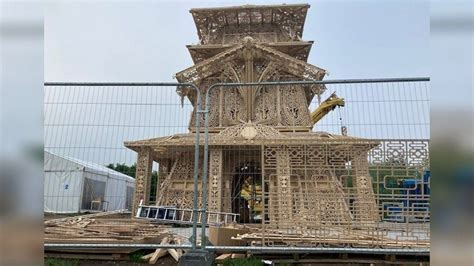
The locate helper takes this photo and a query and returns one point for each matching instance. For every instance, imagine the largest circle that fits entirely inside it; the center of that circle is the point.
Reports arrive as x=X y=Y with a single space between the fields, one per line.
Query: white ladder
x=171 y=214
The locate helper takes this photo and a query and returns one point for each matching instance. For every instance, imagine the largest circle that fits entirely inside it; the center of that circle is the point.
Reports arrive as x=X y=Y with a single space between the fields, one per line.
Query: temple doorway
x=246 y=192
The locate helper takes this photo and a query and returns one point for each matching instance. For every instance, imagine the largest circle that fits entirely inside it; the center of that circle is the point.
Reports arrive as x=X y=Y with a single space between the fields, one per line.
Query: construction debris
x=161 y=252
x=106 y=228
x=336 y=238
x=93 y=228
x=75 y=219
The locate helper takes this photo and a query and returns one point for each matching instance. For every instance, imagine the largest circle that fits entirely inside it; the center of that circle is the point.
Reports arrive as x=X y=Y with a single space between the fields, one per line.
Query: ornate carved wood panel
x=294 y=111
x=365 y=206
x=234 y=110
x=142 y=178
x=265 y=23
x=303 y=189
x=215 y=180
x=284 y=207
x=251 y=61
x=178 y=187
x=267 y=106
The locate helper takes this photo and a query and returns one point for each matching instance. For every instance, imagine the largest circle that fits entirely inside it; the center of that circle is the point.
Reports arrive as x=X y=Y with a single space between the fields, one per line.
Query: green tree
x=131 y=170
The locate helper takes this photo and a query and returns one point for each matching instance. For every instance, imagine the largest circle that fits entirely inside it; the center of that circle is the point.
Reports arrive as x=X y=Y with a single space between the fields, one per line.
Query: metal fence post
x=196 y=167
x=205 y=171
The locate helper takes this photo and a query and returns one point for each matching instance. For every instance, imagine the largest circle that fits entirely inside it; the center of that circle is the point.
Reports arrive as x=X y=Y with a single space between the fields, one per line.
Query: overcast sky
x=144 y=41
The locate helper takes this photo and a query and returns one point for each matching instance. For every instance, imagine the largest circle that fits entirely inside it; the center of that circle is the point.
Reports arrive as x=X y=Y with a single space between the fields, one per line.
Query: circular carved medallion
x=249 y=132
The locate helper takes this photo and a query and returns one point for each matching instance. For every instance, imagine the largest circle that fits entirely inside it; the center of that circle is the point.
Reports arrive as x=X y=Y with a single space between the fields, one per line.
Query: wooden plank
x=174 y=254
x=238 y=256
x=224 y=256
x=159 y=252
x=147 y=256
x=180 y=251
x=81 y=217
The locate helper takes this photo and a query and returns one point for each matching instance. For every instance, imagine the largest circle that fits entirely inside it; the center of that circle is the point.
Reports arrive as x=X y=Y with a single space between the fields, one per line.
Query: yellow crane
x=325 y=107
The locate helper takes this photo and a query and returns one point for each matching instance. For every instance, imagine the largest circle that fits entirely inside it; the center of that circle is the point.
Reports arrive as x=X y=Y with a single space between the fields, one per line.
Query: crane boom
x=325 y=107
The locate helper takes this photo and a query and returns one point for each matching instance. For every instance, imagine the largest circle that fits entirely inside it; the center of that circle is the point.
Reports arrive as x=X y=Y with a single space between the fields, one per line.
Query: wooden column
x=248 y=92
x=365 y=206
x=142 y=178
x=215 y=180
x=285 y=197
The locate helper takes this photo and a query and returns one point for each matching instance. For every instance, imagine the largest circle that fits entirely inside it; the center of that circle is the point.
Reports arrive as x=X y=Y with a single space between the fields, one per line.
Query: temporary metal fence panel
x=358 y=178
x=358 y=181
x=86 y=125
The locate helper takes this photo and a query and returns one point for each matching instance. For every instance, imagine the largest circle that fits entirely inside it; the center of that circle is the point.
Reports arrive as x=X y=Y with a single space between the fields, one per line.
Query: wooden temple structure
x=299 y=171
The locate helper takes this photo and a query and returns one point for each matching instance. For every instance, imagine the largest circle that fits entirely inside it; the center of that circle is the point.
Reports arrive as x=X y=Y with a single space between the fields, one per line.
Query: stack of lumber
x=110 y=229
x=96 y=228
x=344 y=238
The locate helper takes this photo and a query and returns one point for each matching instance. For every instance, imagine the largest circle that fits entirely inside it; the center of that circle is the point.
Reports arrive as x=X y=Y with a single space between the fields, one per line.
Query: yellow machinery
x=253 y=196
x=325 y=107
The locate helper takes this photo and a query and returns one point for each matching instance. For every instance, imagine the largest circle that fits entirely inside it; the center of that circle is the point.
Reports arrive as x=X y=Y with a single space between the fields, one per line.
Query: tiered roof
x=209 y=21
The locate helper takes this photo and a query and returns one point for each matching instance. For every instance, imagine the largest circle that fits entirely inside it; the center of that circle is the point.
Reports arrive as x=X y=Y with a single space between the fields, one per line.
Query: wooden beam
x=159 y=252
x=224 y=256
x=174 y=254
x=143 y=178
x=147 y=256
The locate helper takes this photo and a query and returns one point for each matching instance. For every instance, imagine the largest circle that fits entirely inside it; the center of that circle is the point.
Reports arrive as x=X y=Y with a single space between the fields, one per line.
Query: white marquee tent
x=72 y=186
